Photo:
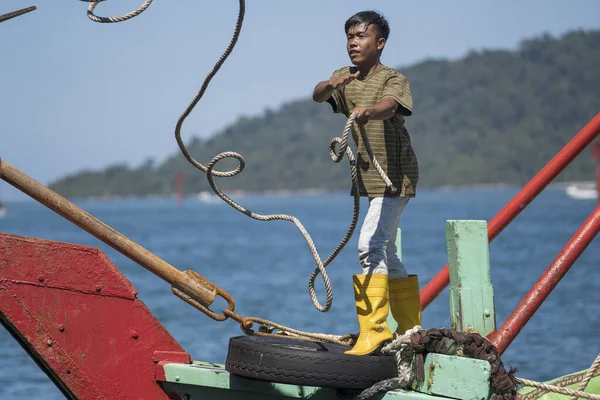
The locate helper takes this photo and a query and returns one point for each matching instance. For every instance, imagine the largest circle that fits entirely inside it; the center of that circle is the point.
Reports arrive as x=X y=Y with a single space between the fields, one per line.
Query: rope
x=402 y=349
x=378 y=168
x=588 y=376
x=336 y=156
x=410 y=350
x=268 y=327
x=210 y=172
x=575 y=394
x=416 y=343
x=121 y=18
x=556 y=389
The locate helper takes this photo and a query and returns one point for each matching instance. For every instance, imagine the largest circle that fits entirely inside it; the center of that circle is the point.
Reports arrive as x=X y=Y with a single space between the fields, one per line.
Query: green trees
x=490 y=117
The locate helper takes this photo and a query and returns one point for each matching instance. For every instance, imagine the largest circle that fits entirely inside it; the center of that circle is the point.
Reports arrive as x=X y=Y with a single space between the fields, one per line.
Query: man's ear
x=380 y=43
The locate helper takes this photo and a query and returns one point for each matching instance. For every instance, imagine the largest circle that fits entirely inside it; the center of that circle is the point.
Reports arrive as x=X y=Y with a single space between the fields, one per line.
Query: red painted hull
x=79 y=318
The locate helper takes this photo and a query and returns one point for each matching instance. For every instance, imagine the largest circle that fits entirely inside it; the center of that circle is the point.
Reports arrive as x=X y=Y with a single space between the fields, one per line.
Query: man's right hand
x=324 y=89
x=342 y=80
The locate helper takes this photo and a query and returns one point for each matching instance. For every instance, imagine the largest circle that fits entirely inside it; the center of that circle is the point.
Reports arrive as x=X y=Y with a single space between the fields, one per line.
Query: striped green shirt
x=389 y=139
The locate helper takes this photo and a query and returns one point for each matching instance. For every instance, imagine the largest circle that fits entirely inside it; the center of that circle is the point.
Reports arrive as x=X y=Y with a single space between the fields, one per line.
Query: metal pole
x=184 y=282
x=547 y=282
x=522 y=199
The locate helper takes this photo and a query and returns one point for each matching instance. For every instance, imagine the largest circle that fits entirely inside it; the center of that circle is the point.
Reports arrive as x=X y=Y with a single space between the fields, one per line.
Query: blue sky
x=77 y=94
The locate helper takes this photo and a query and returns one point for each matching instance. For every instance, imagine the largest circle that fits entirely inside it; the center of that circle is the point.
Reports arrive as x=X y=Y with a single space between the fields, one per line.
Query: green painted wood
x=471 y=291
x=203 y=381
x=390 y=320
x=456 y=377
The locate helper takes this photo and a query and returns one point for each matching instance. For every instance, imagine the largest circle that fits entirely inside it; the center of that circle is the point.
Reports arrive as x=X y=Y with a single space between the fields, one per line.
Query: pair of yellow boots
x=375 y=296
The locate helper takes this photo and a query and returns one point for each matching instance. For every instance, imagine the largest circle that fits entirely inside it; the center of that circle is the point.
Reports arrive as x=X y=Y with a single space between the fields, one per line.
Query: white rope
x=556 y=389
x=403 y=351
x=589 y=375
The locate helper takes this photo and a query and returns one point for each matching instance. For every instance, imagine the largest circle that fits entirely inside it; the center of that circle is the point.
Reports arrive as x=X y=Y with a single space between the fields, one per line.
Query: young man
x=381 y=98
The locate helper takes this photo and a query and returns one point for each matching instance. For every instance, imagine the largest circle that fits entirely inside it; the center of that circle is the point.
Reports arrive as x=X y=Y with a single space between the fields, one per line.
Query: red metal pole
x=522 y=199
x=547 y=282
x=180 y=179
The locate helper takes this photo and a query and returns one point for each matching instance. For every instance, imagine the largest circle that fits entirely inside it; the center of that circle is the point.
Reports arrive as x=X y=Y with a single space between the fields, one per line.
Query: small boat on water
x=208 y=198
x=587 y=190
x=3 y=210
x=582 y=191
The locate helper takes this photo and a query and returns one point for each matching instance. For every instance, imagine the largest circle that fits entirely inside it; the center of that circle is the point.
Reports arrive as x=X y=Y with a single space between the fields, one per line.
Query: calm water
x=265 y=266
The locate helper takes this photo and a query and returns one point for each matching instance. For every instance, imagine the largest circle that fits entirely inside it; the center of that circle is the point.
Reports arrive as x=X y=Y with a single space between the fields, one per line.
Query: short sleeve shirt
x=388 y=139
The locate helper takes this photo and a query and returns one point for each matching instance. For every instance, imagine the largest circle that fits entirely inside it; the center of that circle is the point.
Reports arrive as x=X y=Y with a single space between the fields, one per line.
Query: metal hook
x=13 y=14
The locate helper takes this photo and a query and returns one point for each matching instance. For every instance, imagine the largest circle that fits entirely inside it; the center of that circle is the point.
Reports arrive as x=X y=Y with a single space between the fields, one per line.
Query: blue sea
x=265 y=266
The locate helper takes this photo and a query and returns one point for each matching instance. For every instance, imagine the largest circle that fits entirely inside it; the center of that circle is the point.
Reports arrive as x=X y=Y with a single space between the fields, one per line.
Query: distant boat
x=582 y=191
x=207 y=197
x=2 y=210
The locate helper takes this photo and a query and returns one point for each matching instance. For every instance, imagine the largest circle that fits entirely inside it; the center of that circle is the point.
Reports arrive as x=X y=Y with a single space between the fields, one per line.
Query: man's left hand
x=363 y=114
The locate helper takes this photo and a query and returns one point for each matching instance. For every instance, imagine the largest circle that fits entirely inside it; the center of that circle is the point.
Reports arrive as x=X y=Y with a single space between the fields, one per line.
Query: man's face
x=363 y=45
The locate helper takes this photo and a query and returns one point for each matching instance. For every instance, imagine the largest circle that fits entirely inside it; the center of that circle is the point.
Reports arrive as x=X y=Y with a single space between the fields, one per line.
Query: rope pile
x=411 y=348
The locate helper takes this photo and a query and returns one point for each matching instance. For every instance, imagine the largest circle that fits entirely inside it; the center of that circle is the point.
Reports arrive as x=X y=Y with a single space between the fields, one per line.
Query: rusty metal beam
x=188 y=285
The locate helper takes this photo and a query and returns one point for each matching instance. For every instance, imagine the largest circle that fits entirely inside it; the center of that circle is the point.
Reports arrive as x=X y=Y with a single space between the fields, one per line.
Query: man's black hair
x=380 y=24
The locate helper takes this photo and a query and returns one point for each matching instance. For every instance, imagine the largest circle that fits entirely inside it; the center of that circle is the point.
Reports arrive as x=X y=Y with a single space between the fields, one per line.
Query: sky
x=75 y=94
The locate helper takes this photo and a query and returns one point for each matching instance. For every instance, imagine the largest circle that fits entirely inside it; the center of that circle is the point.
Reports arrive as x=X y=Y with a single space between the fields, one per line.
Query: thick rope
x=268 y=327
x=417 y=343
x=211 y=173
x=378 y=168
x=556 y=389
x=588 y=376
x=402 y=349
x=121 y=18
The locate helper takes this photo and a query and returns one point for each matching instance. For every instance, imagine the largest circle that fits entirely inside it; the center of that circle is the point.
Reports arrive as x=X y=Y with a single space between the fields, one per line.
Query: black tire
x=307 y=363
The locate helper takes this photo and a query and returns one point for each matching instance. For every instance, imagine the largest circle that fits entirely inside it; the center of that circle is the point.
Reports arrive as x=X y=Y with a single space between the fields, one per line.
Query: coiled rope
x=210 y=172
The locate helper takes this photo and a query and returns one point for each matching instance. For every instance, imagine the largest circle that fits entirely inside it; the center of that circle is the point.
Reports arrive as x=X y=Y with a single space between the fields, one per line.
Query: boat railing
x=503 y=336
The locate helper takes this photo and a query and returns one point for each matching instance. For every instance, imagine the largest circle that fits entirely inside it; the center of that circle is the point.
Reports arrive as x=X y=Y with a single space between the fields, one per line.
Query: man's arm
x=324 y=89
x=383 y=110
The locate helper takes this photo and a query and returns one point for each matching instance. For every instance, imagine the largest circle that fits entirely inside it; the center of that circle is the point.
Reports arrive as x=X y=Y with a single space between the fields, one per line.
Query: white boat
x=2 y=210
x=582 y=191
x=207 y=197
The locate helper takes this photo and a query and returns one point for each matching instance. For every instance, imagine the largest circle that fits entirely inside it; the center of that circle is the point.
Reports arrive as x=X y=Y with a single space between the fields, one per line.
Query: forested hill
x=490 y=117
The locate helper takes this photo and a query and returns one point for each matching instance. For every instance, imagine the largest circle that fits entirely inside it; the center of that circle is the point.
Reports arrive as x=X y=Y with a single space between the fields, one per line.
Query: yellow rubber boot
x=371 y=294
x=405 y=302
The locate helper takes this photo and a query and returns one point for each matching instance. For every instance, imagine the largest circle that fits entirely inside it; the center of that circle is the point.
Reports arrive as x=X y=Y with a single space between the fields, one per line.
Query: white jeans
x=377 y=251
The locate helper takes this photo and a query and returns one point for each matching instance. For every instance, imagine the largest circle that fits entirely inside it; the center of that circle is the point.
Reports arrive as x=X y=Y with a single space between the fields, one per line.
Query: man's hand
x=343 y=80
x=383 y=110
x=362 y=114
x=324 y=89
